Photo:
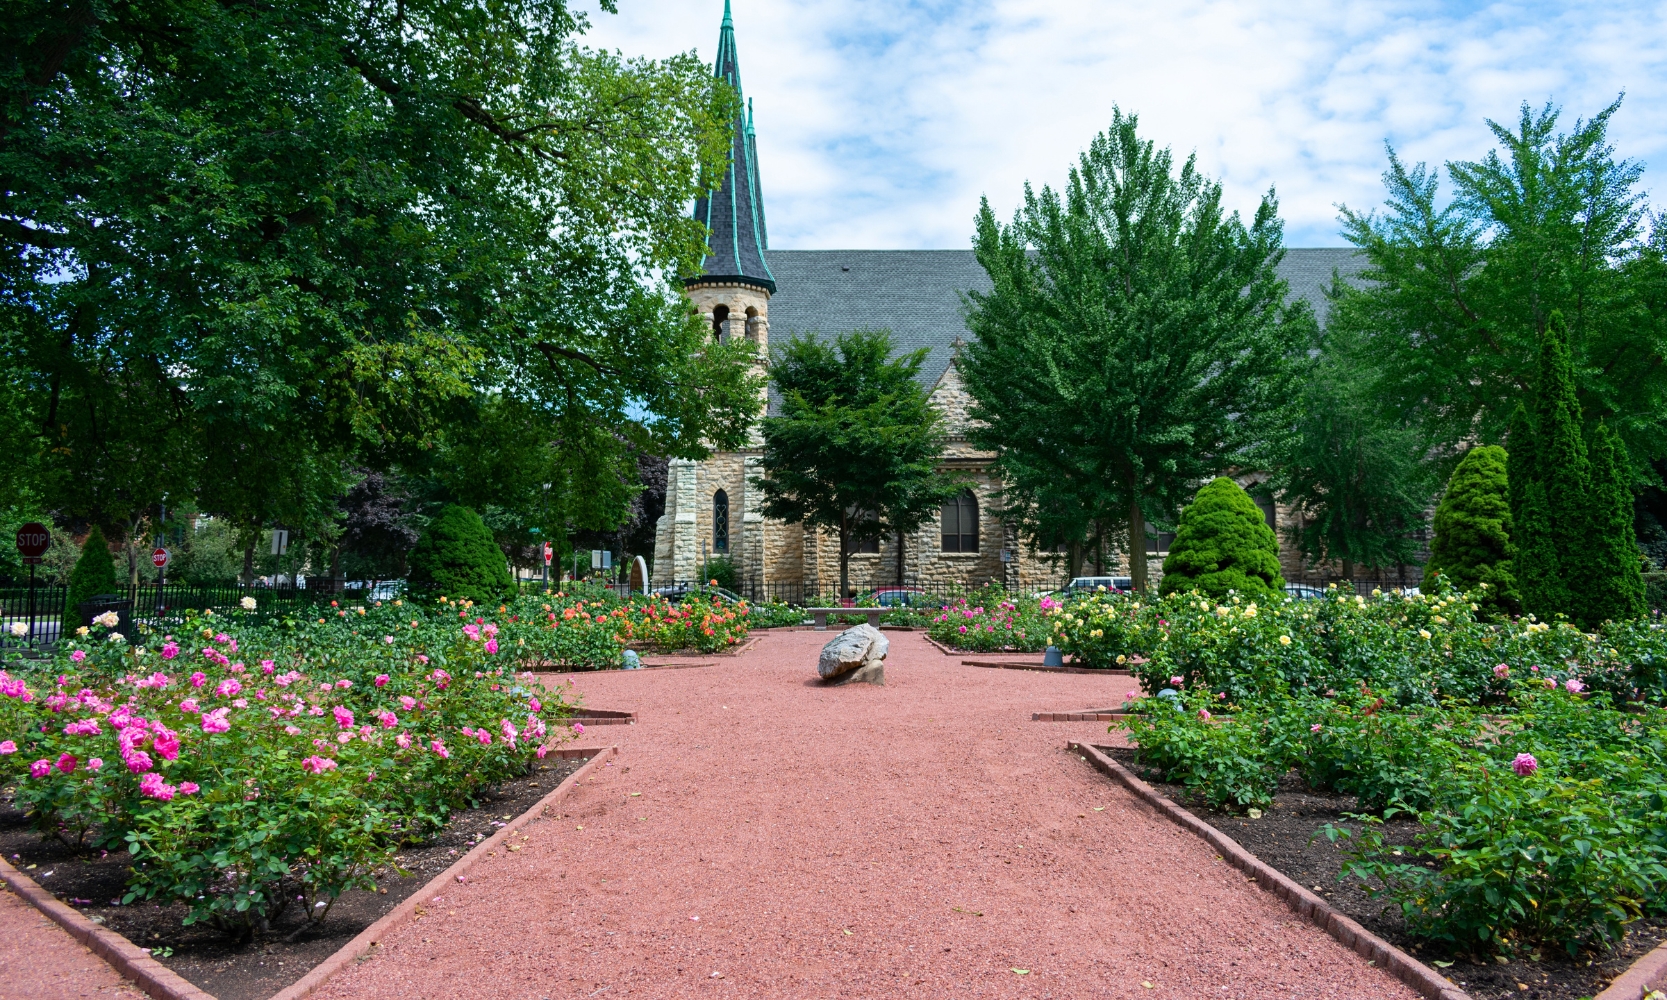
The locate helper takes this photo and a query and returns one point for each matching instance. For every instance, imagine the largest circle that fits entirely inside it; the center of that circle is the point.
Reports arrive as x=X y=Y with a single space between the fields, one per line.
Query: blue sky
x=882 y=122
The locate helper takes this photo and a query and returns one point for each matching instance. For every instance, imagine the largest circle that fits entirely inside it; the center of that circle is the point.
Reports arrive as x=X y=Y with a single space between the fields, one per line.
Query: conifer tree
x=1616 y=588
x=457 y=557
x=1540 y=584
x=94 y=572
x=1472 y=543
x=1223 y=544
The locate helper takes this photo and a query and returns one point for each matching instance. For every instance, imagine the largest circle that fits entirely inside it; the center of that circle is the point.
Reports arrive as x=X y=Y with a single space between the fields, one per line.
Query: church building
x=748 y=290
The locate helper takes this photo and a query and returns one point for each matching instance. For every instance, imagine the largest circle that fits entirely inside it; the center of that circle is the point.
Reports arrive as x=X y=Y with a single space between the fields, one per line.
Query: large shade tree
x=319 y=228
x=1460 y=288
x=856 y=445
x=1136 y=340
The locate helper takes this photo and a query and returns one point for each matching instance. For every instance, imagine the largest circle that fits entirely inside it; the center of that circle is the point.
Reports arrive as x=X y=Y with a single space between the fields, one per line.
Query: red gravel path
x=924 y=839
x=39 y=960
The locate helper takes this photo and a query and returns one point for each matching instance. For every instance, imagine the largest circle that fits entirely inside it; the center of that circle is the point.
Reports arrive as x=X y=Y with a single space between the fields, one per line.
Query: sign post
x=32 y=542
x=549 y=553
x=160 y=558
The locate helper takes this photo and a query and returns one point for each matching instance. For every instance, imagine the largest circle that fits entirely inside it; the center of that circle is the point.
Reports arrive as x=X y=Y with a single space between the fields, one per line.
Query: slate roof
x=734 y=212
x=917 y=294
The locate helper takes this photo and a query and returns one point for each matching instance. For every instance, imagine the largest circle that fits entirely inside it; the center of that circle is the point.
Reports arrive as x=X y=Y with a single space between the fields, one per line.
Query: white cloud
x=881 y=122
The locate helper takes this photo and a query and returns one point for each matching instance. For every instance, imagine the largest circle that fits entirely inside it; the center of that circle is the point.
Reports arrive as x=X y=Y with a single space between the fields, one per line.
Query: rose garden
x=431 y=580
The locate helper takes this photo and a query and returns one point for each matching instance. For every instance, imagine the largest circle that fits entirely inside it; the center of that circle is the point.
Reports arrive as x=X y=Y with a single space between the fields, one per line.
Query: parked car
x=903 y=597
x=1094 y=584
x=1303 y=592
x=676 y=594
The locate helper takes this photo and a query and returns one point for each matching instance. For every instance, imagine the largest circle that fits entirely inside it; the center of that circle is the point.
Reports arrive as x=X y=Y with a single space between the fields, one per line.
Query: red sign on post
x=160 y=557
x=32 y=542
x=549 y=552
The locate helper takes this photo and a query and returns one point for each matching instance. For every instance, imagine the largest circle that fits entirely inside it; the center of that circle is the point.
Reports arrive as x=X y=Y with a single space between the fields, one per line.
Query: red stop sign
x=32 y=541
x=159 y=557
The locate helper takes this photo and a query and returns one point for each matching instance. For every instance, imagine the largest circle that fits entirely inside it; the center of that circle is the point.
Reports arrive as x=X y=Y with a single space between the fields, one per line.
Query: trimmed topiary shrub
x=1616 y=590
x=1472 y=543
x=1222 y=544
x=457 y=557
x=94 y=572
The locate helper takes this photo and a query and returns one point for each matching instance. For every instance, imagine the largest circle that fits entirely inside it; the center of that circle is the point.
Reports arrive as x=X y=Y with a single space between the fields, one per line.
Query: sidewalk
x=39 y=960
x=924 y=839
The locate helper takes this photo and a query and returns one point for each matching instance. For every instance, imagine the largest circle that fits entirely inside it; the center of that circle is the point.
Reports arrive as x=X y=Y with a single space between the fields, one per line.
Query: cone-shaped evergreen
x=1472 y=543
x=457 y=558
x=1563 y=468
x=1222 y=544
x=1538 y=572
x=94 y=572
x=1616 y=587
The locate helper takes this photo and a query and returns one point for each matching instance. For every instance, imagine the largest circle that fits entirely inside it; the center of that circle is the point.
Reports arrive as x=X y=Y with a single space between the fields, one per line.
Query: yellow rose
x=1284 y=640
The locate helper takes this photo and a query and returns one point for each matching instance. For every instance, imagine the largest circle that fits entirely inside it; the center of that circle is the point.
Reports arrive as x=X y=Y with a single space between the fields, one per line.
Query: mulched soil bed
x=257 y=970
x=1287 y=837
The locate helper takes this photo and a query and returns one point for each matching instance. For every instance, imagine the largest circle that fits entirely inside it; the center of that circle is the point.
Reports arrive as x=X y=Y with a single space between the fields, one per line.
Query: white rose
x=108 y=619
x=117 y=637
x=20 y=629
x=248 y=603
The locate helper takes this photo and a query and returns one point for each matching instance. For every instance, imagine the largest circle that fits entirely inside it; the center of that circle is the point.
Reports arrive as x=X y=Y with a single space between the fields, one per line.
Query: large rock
x=856 y=654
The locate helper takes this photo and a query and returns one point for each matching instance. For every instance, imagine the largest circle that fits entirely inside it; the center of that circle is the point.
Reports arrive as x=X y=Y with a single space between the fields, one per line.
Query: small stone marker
x=856 y=654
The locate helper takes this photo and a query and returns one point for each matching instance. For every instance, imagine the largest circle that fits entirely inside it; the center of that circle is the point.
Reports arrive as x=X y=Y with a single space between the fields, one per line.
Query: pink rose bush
x=199 y=773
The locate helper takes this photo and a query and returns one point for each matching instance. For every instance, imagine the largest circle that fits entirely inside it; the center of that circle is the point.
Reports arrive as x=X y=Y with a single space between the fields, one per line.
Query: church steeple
x=734 y=211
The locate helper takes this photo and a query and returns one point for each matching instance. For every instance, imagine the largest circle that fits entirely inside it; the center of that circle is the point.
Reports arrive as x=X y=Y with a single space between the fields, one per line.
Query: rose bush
x=249 y=765
x=991 y=620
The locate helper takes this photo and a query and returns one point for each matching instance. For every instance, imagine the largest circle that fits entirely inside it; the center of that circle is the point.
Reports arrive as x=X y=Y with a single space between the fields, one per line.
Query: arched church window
x=720 y=519
x=960 y=523
x=720 y=323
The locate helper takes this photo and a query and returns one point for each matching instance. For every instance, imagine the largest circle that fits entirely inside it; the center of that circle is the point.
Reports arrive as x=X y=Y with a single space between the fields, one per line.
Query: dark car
x=903 y=597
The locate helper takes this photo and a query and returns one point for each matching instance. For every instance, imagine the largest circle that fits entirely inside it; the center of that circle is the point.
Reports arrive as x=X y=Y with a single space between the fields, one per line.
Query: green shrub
x=1472 y=543
x=721 y=572
x=1226 y=762
x=1223 y=544
x=1655 y=591
x=457 y=558
x=94 y=573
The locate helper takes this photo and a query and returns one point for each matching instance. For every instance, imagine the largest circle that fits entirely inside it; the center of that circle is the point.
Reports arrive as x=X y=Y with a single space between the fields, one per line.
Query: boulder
x=854 y=655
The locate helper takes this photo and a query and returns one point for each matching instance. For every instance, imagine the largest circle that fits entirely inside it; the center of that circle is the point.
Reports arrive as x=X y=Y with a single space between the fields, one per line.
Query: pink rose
x=491 y=645
x=344 y=684
x=166 y=744
x=78 y=655
x=152 y=786
x=137 y=761
x=95 y=764
x=1501 y=671
x=41 y=768
x=198 y=679
x=344 y=718
x=381 y=680
x=318 y=765
x=1314 y=728
x=403 y=740
x=228 y=688
x=1524 y=765
x=189 y=787
x=1574 y=686
x=1176 y=681
x=292 y=730
x=189 y=706
x=215 y=721
x=579 y=727
x=66 y=763
x=407 y=702
x=533 y=704
x=267 y=666
x=8 y=747
x=170 y=650
x=388 y=719
x=1204 y=714
x=440 y=748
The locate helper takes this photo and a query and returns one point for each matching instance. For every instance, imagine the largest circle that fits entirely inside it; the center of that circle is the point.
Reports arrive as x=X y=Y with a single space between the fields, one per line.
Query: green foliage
x=1460 y=287
x=856 y=446
x=364 y=228
x=1135 y=340
x=94 y=573
x=1225 y=762
x=1615 y=588
x=457 y=558
x=1223 y=544
x=1472 y=543
x=1353 y=474
x=990 y=620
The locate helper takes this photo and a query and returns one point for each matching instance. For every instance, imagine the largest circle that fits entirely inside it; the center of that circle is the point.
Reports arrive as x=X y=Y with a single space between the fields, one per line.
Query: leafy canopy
x=1136 y=340
x=856 y=446
x=1458 y=295
x=243 y=242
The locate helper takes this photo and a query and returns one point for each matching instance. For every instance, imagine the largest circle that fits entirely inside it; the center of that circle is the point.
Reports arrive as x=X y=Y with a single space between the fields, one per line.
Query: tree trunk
x=900 y=537
x=1348 y=574
x=336 y=579
x=249 y=564
x=1137 y=545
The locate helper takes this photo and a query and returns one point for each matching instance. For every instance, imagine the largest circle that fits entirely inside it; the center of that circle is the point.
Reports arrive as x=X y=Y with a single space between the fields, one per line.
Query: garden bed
x=1287 y=837
x=260 y=968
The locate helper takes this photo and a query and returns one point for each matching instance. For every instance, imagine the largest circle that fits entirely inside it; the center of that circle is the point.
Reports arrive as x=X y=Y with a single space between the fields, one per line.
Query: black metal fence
x=36 y=619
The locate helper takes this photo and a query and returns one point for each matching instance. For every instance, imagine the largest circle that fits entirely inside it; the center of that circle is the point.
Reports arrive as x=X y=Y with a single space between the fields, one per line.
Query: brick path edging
x=1647 y=974
x=370 y=938
x=127 y=958
x=1307 y=905
x=1085 y=715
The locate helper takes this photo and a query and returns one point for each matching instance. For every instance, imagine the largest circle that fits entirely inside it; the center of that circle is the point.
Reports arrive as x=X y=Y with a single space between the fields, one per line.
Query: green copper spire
x=734 y=211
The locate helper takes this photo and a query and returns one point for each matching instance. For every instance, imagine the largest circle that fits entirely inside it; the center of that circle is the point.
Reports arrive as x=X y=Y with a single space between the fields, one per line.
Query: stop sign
x=160 y=556
x=32 y=542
